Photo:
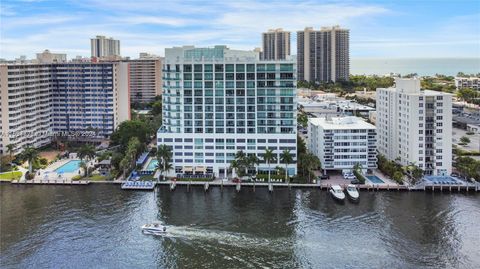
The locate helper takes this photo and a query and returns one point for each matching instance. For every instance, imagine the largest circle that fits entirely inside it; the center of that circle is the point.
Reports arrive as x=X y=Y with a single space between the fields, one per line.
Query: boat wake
x=241 y=240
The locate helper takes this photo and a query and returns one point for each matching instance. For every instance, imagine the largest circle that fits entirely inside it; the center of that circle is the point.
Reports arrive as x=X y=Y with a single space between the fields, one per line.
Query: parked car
x=236 y=180
x=324 y=177
x=349 y=176
x=356 y=182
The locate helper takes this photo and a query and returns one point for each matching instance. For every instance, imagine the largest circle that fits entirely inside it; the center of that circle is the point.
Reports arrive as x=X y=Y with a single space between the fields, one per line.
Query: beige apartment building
x=145 y=78
x=323 y=55
x=275 y=44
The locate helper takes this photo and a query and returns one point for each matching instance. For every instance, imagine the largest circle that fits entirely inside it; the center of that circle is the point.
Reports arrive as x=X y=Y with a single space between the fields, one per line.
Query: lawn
x=8 y=176
x=146 y=177
x=92 y=178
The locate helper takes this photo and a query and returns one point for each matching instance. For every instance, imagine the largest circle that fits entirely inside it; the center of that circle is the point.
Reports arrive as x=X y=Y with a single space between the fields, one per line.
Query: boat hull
x=337 y=198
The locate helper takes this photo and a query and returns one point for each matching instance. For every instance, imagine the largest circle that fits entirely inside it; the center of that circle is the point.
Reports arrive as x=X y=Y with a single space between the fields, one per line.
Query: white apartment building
x=470 y=82
x=218 y=101
x=102 y=46
x=42 y=100
x=415 y=126
x=342 y=142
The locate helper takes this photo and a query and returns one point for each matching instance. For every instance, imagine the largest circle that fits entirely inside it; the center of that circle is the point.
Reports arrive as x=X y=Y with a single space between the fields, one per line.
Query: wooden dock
x=51 y=182
x=363 y=187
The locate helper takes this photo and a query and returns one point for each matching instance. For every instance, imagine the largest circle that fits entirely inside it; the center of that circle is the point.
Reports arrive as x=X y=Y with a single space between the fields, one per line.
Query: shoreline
x=251 y=185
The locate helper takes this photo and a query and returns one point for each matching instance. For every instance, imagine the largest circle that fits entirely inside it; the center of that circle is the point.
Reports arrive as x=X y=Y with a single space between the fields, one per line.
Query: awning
x=200 y=169
x=187 y=169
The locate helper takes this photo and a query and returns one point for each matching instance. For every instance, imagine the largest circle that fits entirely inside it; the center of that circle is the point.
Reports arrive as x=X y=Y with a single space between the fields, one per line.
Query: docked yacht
x=154 y=228
x=337 y=192
x=352 y=193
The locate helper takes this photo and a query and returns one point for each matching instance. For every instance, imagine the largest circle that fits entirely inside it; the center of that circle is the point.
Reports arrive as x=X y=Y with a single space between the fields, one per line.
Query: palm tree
x=415 y=172
x=234 y=165
x=164 y=155
x=241 y=162
x=253 y=161
x=287 y=158
x=268 y=157
x=10 y=150
x=357 y=167
x=309 y=162
x=125 y=164
x=31 y=155
x=84 y=166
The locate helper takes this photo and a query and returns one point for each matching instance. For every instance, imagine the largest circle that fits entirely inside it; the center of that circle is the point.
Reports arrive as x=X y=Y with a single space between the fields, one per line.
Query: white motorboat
x=352 y=192
x=154 y=228
x=337 y=192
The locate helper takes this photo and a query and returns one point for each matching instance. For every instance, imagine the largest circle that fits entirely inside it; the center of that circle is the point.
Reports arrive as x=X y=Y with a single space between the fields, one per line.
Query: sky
x=378 y=29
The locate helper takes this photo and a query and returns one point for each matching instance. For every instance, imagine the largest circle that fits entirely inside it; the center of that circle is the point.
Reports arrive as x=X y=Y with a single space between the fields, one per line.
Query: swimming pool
x=442 y=180
x=375 y=179
x=69 y=167
x=152 y=165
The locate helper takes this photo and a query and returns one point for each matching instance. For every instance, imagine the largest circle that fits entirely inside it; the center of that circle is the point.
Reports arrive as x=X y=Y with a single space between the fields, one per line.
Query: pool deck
x=49 y=173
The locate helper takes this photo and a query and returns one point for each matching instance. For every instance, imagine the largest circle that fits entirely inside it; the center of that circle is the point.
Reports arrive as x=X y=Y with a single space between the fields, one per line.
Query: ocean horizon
x=421 y=66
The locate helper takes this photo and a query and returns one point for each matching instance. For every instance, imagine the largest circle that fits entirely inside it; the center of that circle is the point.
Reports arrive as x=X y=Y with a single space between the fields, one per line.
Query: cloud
x=154 y=20
x=145 y=25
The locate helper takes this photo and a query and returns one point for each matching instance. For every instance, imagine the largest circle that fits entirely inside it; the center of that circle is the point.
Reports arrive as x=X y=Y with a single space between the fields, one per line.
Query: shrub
x=43 y=161
x=29 y=176
x=195 y=179
x=265 y=176
x=76 y=178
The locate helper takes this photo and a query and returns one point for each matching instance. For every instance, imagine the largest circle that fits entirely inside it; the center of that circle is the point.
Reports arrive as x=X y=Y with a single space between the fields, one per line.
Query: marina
x=289 y=228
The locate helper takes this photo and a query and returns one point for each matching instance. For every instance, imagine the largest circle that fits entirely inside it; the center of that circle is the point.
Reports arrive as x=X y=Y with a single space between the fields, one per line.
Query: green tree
x=468 y=167
x=416 y=173
x=302 y=120
x=86 y=152
x=242 y=162
x=10 y=150
x=164 y=156
x=464 y=140
x=84 y=167
x=128 y=129
x=308 y=162
x=253 y=161
x=269 y=157
x=398 y=176
x=134 y=147
x=157 y=107
x=301 y=147
x=31 y=155
x=287 y=158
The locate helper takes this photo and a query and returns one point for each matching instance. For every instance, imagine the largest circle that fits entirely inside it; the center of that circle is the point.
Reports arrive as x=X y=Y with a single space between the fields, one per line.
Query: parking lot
x=474 y=144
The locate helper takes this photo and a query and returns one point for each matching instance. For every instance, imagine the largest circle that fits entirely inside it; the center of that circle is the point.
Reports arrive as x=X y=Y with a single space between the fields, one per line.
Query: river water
x=99 y=227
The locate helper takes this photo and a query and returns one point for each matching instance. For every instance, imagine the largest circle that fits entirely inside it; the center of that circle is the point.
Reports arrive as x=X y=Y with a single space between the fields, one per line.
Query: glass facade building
x=218 y=101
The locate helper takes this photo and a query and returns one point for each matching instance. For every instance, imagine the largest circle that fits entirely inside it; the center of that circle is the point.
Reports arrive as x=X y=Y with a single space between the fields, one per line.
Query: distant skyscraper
x=104 y=47
x=276 y=44
x=324 y=55
x=415 y=126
